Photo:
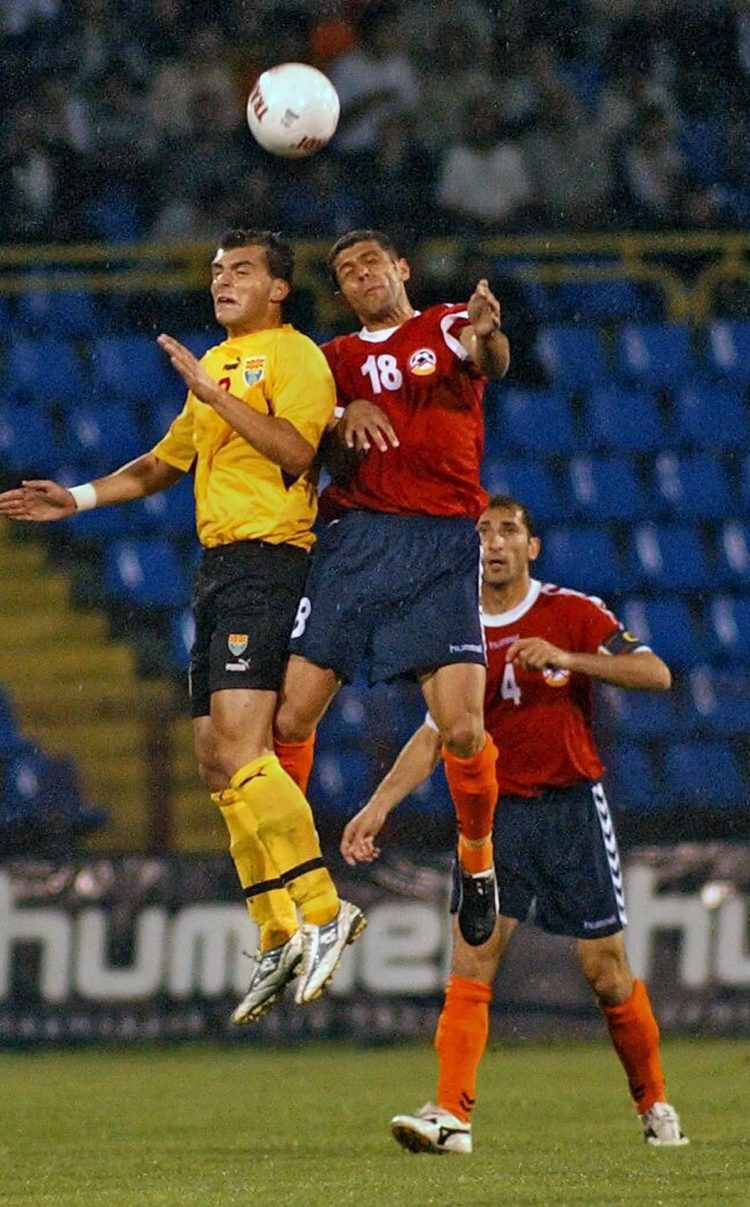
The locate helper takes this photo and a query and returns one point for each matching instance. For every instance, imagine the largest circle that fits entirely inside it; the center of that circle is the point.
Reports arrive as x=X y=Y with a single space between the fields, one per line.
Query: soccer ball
x=293 y=110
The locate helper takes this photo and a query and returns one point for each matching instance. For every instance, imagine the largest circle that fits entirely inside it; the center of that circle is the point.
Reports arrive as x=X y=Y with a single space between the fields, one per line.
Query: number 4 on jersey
x=509 y=689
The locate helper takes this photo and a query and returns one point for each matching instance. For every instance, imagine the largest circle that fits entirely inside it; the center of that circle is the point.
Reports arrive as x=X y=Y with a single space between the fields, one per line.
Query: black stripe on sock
x=264 y=886
x=302 y=869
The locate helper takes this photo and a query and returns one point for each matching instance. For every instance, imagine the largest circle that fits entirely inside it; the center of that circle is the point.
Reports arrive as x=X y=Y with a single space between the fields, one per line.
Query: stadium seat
x=655 y=354
x=607 y=488
x=41 y=804
x=669 y=557
x=733 y=554
x=727 y=623
x=600 y=301
x=710 y=415
x=573 y=357
x=529 y=481
x=692 y=487
x=58 y=313
x=169 y=513
x=667 y=626
x=584 y=558
x=43 y=370
x=619 y=420
x=631 y=779
x=728 y=350
x=131 y=366
x=11 y=738
x=704 y=773
x=646 y=716
x=720 y=700
x=103 y=524
x=344 y=723
x=535 y=422
x=27 y=441
x=340 y=782
x=146 y=572
x=102 y=437
x=703 y=141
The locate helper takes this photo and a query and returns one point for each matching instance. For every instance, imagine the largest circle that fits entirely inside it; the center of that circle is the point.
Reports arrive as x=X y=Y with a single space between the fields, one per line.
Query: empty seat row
x=697 y=774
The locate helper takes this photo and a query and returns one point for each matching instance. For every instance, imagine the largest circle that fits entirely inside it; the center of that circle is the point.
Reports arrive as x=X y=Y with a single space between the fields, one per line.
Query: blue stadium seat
x=655 y=354
x=692 y=487
x=170 y=512
x=583 y=558
x=624 y=421
x=727 y=623
x=669 y=557
x=704 y=773
x=607 y=488
x=131 y=366
x=573 y=357
x=728 y=350
x=710 y=415
x=646 y=716
x=634 y=784
x=27 y=441
x=345 y=722
x=733 y=554
x=43 y=370
x=703 y=141
x=340 y=782
x=181 y=634
x=667 y=626
x=600 y=301
x=103 y=523
x=40 y=798
x=535 y=422
x=102 y=437
x=529 y=481
x=720 y=701
x=60 y=313
x=146 y=572
x=11 y=738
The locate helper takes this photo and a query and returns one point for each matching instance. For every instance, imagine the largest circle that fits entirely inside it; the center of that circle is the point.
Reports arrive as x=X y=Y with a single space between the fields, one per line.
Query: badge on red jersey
x=423 y=362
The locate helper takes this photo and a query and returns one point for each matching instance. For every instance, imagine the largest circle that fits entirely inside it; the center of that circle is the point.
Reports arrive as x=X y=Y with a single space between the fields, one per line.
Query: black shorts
x=245 y=600
x=398 y=592
x=557 y=862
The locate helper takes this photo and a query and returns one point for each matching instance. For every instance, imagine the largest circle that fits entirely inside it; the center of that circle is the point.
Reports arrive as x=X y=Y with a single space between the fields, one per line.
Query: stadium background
x=593 y=159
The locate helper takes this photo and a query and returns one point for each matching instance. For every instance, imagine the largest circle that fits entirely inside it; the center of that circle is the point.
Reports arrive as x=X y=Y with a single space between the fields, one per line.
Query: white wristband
x=84 y=496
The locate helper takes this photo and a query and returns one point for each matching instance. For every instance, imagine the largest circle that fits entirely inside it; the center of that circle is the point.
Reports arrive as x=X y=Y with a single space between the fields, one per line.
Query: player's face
x=507 y=547
x=243 y=289
x=371 y=280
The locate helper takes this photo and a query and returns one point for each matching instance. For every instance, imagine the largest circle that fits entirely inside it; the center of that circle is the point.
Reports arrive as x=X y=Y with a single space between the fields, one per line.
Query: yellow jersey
x=239 y=494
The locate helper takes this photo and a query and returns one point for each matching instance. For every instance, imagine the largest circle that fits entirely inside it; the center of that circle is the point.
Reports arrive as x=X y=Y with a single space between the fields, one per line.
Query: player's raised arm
x=41 y=500
x=637 y=670
x=484 y=340
x=416 y=761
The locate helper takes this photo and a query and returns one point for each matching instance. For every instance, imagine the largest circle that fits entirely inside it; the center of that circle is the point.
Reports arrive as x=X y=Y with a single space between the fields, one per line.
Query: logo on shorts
x=555 y=677
x=237 y=643
x=253 y=371
x=423 y=362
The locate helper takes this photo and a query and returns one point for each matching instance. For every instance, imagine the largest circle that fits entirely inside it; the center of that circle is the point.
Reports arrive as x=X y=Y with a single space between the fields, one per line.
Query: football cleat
x=432 y=1130
x=661 y=1126
x=322 y=949
x=272 y=973
x=478 y=905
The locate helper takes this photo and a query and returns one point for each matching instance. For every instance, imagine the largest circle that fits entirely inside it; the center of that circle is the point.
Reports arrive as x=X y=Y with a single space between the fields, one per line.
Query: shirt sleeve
x=176 y=448
x=304 y=392
x=603 y=633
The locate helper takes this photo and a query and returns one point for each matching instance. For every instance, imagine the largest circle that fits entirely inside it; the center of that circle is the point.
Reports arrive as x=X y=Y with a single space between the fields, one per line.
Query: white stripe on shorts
x=610 y=846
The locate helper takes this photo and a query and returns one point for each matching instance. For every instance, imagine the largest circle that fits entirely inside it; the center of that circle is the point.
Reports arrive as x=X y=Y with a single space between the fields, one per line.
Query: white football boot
x=322 y=949
x=661 y=1126
x=272 y=973
x=432 y=1130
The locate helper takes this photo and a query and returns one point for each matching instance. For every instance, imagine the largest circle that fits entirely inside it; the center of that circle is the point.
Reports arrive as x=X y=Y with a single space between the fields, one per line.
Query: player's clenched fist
x=37 y=500
x=484 y=309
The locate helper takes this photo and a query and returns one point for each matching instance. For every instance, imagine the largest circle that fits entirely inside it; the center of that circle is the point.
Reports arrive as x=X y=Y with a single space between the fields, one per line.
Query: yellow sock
x=287 y=830
x=269 y=903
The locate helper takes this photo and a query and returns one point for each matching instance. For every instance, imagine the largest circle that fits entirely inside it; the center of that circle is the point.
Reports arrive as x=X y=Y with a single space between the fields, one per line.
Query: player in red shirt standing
x=556 y=851
x=395 y=580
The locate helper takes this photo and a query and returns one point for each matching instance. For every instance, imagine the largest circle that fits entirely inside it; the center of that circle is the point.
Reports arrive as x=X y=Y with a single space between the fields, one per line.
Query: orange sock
x=460 y=1040
x=635 y=1035
x=297 y=759
x=473 y=787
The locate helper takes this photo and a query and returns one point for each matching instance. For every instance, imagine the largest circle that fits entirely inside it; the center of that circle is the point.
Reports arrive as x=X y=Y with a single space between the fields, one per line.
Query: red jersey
x=422 y=377
x=541 y=720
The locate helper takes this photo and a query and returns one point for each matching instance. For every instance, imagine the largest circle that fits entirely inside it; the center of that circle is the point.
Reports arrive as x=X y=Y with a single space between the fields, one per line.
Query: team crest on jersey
x=555 y=676
x=253 y=371
x=423 y=362
x=237 y=643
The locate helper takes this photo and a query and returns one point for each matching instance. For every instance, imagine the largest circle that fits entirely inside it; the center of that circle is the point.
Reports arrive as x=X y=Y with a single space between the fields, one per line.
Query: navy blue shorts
x=398 y=592
x=557 y=862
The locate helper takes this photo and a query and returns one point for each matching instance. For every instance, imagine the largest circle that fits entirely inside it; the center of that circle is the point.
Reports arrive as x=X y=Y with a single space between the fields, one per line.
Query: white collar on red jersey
x=494 y=619
x=377 y=337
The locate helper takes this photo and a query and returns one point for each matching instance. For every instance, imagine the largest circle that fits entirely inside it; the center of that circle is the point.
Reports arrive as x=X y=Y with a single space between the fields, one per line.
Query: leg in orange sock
x=473 y=788
x=460 y=1040
x=635 y=1034
x=297 y=759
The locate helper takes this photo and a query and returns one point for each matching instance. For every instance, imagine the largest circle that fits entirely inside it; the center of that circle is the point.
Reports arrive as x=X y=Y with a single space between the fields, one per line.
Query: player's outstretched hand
x=364 y=424
x=484 y=309
x=189 y=368
x=357 y=842
x=37 y=500
x=534 y=654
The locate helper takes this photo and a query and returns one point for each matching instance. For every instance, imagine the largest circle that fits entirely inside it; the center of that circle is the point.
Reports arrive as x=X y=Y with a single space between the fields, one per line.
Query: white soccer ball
x=293 y=110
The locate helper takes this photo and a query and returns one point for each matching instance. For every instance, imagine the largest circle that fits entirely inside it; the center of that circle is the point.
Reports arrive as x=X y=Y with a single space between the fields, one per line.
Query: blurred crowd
x=124 y=119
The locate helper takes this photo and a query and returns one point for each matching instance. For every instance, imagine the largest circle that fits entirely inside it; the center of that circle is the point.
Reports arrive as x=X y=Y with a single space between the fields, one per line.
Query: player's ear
x=404 y=271
x=280 y=290
x=535 y=546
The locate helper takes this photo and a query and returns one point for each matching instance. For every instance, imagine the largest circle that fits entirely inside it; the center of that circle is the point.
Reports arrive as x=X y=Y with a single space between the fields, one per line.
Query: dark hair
x=360 y=236
x=508 y=503
x=279 y=253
